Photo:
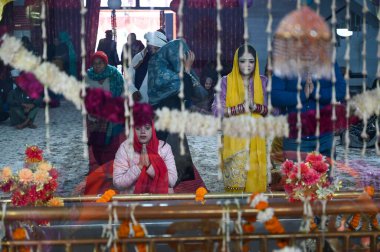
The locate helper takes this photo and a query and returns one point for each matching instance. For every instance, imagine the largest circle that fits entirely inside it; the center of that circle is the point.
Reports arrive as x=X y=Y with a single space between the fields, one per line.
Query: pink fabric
x=126 y=170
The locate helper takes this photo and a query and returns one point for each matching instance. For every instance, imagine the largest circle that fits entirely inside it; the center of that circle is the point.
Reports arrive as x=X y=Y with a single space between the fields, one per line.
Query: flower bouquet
x=308 y=179
x=33 y=185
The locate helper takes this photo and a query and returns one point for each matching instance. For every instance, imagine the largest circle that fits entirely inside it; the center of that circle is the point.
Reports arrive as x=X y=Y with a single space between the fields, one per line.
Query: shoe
x=32 y=126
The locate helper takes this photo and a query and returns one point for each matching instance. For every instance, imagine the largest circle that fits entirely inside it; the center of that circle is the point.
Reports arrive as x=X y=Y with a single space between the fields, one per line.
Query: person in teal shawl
x=64 y=38
x=163 y=88
x=104 y=137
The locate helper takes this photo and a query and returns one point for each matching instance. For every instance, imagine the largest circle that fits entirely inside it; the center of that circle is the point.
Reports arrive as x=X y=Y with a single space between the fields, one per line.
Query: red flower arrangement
x=308 y=179
x=35 y=184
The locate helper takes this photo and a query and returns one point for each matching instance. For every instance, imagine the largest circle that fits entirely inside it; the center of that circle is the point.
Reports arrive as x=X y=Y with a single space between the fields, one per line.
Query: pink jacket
x=126 y=170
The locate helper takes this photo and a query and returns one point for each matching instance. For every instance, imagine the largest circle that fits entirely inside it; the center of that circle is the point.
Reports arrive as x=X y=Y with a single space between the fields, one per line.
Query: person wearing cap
x=22 y=109
x=103 y=135
x=139 y=66
x=108 y=45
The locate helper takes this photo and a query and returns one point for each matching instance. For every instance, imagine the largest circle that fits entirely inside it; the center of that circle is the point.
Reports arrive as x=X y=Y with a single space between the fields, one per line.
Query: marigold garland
x=200 y=195
x=355 y=222
x=106 y=197
x=19 y=234
x=55 y=202
x=266 y=215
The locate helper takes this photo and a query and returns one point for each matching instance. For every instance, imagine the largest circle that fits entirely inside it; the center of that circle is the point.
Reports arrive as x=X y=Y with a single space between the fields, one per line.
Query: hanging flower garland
x=367 y=103
x=266 y=216
x=176 y=121
x=13 y=53
x=355 y=222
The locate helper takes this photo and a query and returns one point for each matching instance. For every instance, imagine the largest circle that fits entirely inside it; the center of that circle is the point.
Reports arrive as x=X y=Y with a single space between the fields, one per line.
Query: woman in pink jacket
x=148 y=166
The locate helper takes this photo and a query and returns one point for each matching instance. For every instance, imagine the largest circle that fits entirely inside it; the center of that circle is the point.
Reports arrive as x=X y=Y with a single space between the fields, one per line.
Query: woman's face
x=208 y=83
x=98 y=65
x=246 y=64
x=144 y=133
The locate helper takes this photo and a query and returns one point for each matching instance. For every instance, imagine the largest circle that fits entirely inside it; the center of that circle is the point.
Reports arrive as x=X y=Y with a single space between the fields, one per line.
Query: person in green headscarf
x=64 y=39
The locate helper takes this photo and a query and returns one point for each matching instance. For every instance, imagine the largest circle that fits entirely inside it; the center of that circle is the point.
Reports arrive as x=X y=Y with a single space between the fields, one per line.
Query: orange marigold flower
x=139 y=231
x=354 y=223
x=19 y=234
x=282 y=243
x=55 y=202
x=248 y=228
x=370 y=190
x=200 y=194
x=107 y=196
x=123 y=231
x=262 y=205
x=253 y=195
x=141 y=247
x=117 y=249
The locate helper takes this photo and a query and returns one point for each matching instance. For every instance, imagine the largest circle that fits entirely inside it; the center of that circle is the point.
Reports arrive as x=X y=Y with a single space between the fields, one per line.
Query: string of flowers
x=205 y=125
x=265 y=215
x=20 y=234
x=355 y=222
x=106 y=197
x=367 y=103
x=13 y=53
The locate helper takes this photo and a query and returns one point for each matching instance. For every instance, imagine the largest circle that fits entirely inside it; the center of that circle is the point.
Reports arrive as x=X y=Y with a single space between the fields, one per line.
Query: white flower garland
x=13 y=53
x=257 y=199
x=265 y=215
x=205 y=125
x=367 y=103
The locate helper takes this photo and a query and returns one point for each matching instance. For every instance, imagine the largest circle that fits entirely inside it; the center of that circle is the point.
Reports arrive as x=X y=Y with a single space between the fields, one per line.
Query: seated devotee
x=108 y=46
x=209 y=79
x=245 y=72
x=104 y=137
x=22 y=109
x=148 y=166
x=139 y=67
x=284 y=97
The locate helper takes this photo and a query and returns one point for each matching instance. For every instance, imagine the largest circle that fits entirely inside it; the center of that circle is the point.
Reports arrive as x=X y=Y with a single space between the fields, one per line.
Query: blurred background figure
x=108 y=45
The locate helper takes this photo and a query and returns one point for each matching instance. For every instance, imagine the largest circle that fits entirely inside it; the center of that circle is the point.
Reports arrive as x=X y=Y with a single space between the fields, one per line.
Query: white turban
x=156 y=39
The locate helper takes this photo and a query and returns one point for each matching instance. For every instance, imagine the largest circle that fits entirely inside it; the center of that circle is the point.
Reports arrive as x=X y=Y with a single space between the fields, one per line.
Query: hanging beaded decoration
x=83 y=11
x=219 y=69
x=44 y=58
x=364 y=134
x=347 y=79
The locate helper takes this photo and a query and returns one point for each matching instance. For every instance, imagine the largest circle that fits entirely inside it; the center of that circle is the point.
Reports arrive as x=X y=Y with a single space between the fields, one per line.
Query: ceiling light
x=344 y=32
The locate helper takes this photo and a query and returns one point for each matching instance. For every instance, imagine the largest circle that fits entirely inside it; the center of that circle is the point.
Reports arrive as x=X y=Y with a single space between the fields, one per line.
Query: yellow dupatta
x=234 y=154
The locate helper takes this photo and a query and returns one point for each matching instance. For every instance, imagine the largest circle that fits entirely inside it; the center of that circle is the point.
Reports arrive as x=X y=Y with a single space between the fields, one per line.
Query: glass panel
x=155 y=3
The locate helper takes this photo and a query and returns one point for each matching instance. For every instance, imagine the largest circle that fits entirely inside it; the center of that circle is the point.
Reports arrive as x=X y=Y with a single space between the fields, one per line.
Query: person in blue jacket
x=284 y=97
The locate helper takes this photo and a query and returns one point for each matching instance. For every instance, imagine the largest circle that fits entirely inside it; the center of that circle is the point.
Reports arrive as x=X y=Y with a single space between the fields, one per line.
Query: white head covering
x=15 y=73
x=155 y=38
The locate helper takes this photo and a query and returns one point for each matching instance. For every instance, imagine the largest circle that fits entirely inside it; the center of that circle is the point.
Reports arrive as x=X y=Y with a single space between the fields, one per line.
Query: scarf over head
x=115 y=78
x=234 y=151
x=64 y=38
x=143 y=114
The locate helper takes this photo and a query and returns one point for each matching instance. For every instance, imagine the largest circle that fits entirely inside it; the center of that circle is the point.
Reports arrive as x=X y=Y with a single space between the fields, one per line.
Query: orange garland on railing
x=19 y=234
x=124 y=231
x=272 y=225
x=106 y=197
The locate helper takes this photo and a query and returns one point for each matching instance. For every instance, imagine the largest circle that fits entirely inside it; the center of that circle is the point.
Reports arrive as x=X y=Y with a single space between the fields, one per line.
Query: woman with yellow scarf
x=234 y=102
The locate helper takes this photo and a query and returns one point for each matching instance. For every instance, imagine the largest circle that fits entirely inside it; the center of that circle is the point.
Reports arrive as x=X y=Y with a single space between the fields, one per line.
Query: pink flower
x=6 y=173
x=310 y=177
x=25 y=175
x=287 y=167
x=30 y=85
x=41 y=177
x=53 y=173
x=314 y=157
x=44 y=166
x=320 y=167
